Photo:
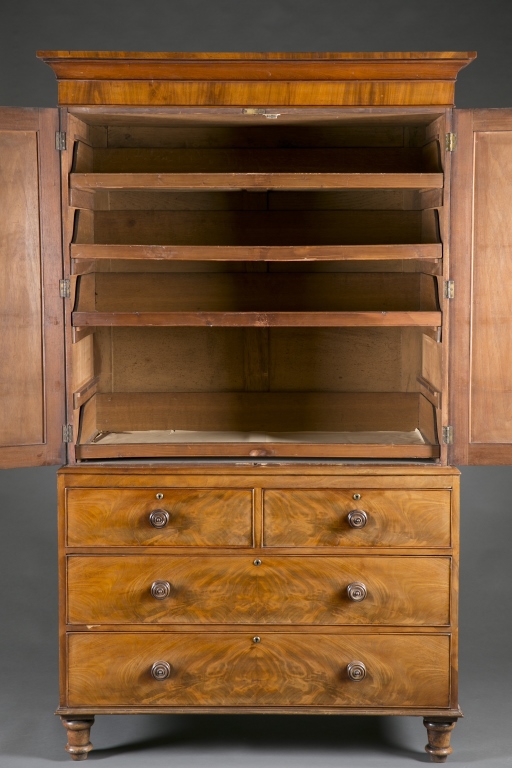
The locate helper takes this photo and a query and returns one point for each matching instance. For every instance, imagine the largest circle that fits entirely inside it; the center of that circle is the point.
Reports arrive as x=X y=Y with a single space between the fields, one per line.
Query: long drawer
x=239 y=669
x=332 y=590
x=357 y=518
x=196 y=517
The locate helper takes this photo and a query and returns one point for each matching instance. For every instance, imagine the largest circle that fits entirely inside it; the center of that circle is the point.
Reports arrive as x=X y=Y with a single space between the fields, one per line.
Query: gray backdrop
x=29 y=733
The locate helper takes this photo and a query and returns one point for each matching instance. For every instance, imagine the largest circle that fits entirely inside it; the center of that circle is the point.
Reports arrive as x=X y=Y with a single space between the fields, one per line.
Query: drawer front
x=392 y=518
x=396 y=591
x=230 y=669
x=181 y=517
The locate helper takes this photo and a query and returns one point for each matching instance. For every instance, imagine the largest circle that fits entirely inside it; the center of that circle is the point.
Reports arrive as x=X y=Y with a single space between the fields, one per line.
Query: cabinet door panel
x=481 y=321
x=31 y=313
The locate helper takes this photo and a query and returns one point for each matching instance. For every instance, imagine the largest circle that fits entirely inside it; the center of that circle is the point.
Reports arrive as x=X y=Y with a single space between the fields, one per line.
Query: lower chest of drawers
x=258 y=590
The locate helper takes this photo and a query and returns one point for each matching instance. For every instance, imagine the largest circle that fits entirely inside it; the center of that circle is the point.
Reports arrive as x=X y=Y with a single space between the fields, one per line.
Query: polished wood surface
x=257 y=252
x=255 y=228
x=480 y=369
x=491 y=348
x=256 y=79
x=235 y=292
x=249 y=474
x=242 y=666
x=230 y=669
x=32 y=370
x=121 y=517
x=439 y=732
x=78 y=730
x=259 y=319
x=395 y=518
x=294 y=590
x=143 y=181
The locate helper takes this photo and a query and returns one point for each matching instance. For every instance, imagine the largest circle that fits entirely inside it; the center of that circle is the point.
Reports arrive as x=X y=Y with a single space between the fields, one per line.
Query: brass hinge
x=448 y=435
x=60 y=140
x=451 y=142
x=449 y=289
x=65 y=289
x=67 y=433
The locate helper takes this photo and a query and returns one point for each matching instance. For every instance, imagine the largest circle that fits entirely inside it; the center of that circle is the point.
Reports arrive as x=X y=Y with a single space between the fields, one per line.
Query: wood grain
x=237 y=299
x=397 y=518
x=32 y=379
x=257 y=319
x=491 y=307
x=198 y=517
x=22 y=412
x=93 y=181
x=431 y=362
x=254 y=160
x=267 y=299
x=313 y=449
x=278 y=292
x=282 y=670
x=370 y=93
x=256 y=252
x=255 y=228
x=478 y=366
x=258 y=411
x=402 y=591
x=290 y=130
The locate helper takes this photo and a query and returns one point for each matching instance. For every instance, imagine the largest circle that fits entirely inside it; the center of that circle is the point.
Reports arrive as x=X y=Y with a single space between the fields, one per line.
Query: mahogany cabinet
x=258 y=305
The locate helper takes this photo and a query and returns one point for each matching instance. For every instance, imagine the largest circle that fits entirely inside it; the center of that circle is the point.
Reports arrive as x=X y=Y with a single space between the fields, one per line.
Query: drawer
x=392 y=518
x=231 y=669
x=162 y=589
x=192 y=517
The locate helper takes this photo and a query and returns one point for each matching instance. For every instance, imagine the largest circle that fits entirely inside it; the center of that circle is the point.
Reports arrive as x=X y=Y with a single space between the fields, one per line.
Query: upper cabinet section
x=31 y=312
x=256 y=80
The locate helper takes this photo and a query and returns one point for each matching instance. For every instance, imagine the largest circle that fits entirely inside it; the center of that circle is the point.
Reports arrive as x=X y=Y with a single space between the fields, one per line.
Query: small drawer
x=181 y=517
x=162 y=589
x=352 y=518
x=248 y=669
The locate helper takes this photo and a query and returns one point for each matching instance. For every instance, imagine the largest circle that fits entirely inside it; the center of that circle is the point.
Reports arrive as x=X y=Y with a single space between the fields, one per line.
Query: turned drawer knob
x=160 y=590
x=356 y=591
x=356 y=671
x=159 y=518
x=357 y=518
x=161 y=670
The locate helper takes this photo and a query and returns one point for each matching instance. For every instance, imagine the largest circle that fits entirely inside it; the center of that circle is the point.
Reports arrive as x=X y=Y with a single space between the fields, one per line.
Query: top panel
x=256 y=79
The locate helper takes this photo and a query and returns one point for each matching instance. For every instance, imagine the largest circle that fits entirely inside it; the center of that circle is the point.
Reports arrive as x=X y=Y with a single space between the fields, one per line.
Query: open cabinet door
x=481 y=267
x=32 y=396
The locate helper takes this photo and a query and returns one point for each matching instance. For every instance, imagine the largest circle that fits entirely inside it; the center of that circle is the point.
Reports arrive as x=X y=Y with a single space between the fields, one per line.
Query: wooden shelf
x=219 y=181
x=422 y=251
x=285 y=450
x=238 y=299
x=315 y=424
x=257 y=319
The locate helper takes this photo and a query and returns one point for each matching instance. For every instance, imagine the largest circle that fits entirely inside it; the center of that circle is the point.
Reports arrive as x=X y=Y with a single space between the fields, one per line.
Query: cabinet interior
x=245 y=284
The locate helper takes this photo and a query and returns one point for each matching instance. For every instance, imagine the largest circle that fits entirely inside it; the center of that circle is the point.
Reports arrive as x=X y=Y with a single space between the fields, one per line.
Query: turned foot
x=79 y=730
x=439 y=732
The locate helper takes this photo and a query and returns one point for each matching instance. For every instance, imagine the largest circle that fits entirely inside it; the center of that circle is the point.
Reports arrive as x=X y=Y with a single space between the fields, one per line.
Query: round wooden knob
x=160 y=590
x=356 y=671
x=159 y=518
x=356 y=591
x=161 y=670
x=357 y=518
